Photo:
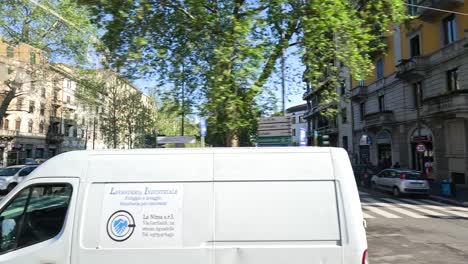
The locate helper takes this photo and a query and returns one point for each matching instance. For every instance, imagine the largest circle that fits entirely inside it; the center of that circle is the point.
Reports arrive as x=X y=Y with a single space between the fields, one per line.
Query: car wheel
x=396 y=192
x=10 y=187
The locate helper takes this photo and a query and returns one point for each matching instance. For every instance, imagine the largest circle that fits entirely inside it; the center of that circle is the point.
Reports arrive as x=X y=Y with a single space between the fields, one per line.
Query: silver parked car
x=11 y=176
x=400 y=181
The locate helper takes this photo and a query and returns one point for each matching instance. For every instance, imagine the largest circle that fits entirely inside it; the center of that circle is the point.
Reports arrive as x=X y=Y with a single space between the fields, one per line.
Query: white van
x=184 y=206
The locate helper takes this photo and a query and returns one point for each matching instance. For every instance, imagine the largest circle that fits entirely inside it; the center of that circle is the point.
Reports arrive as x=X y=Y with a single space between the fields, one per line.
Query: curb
x=448 y=200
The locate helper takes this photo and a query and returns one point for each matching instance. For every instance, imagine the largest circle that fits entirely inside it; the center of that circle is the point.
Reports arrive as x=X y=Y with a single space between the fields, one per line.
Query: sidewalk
x=461 y=197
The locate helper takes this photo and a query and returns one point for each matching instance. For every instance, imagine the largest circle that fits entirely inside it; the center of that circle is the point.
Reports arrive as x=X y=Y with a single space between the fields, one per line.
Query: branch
x=177 y=7
x=277 y=52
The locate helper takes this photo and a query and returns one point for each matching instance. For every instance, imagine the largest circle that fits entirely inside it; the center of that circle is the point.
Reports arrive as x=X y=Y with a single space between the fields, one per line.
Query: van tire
x=11 y=186
x=396 y=192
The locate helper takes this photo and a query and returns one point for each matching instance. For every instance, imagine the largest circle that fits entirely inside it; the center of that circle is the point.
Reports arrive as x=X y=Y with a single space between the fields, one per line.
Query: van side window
x=35 y=215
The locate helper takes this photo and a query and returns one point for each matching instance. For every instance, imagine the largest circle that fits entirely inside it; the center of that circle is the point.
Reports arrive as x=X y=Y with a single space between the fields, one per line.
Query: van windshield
x=8 y=171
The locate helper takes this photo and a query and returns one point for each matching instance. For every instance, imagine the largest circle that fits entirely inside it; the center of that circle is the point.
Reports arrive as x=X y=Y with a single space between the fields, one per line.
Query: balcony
x=54 y=138
x=379 y=119
x=359 y=93
x=430 y=14
x=412 y=69
x=455 y=102
x=8 y=133
x=328 y=130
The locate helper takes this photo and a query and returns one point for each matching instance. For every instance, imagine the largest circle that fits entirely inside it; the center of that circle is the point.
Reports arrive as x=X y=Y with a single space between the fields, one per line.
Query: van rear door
x=36 y=222
x=266 y=212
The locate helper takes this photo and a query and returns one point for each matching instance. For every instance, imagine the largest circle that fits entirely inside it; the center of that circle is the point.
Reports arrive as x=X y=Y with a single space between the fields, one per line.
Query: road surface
x=412 y=230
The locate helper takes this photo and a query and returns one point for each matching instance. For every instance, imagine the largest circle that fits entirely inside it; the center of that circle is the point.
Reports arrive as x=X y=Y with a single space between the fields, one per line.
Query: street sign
x=202 y=126
x=273 y=126
x=302 y=137
x=421 y=148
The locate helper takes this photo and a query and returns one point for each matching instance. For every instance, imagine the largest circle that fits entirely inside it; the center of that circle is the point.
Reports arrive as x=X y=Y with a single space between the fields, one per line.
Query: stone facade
x=45 y=119
x=421 y=128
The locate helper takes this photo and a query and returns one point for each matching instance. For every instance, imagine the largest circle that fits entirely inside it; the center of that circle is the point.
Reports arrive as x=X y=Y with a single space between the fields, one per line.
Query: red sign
x=421 y=148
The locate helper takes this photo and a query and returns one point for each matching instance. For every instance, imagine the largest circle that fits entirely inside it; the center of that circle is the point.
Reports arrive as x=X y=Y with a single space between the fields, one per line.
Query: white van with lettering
x=183 y=206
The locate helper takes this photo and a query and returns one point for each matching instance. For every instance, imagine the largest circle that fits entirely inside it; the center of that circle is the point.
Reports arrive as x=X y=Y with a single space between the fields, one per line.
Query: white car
x=400 y=181
x=11 y=176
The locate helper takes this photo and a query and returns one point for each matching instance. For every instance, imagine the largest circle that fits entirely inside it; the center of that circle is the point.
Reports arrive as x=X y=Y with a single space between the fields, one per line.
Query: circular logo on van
x=120 y=226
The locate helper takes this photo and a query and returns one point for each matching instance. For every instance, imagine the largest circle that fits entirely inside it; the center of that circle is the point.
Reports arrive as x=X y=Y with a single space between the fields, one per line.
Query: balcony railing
x=359 y=92
x=430 y=14
x=54 y=138
x=379 y=118
x=8 y=133
x=328 y=130
x=412 y=69
x=449 y=103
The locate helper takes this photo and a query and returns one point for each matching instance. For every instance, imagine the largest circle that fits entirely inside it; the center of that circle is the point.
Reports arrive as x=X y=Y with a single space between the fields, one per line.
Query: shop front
x=384 y=149
x=422 y=151
x=364 y=149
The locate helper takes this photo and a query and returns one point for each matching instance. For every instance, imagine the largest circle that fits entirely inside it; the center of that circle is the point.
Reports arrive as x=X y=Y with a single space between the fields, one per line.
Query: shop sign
x=365 y=140
x=421 y=148
x=422 y=139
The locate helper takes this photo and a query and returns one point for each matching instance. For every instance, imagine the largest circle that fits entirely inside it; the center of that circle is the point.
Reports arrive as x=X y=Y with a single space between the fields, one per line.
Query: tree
x=231 y=47
x=55 y=30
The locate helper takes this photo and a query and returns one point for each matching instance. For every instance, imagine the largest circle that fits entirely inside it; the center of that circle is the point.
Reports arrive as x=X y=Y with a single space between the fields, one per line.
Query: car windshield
x=413 y=176
x=8 y=171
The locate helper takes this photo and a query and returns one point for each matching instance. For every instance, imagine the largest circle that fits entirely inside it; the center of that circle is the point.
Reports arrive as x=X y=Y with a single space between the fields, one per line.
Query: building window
x=6 y=124
x=18 y=124
x=30 y=126
x=10 y=51
x=19 y=104
x=343 y=87
x=68 y=99
x=32 y=86
x=344 y=116
x=41 y=127
x=450 y=30
x=452 y=80
x=32 y=57
x=382 y=103
x=31 y=106
x=42 y=111
x=301 y=120
x=293 y=120
x=379 y=67
x=43 y=92
x=55 y=95
x=54 y=112
x=294 y=132
x=361 y=83
x=412 y=7
x=362 y=110
x=10 y=70
x=415 y=48
x=418 y=94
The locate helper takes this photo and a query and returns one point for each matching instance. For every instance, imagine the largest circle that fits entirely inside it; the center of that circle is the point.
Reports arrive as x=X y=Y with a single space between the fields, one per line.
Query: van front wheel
x=396 y=192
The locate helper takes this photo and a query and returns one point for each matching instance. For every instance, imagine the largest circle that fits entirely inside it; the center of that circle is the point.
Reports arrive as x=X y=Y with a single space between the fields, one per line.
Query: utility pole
x=283 y=82
x=183 y=101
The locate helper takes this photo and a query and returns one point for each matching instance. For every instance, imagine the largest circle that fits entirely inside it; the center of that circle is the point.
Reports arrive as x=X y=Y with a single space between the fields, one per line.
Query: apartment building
x=45 y=118
x=296 y=116
x=414 y=109
x=339 y=129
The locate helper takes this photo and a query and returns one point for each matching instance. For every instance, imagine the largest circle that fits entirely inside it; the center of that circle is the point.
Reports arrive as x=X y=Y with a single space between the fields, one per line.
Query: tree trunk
x=6 y=102
x=235 y=139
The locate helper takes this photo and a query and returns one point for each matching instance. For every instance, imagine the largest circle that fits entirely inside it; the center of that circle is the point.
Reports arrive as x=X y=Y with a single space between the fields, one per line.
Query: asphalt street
x=414 y=230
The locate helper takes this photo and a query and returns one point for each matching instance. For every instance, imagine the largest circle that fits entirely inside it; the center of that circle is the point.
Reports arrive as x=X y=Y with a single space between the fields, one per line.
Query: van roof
x=113 y=165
